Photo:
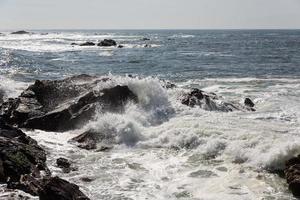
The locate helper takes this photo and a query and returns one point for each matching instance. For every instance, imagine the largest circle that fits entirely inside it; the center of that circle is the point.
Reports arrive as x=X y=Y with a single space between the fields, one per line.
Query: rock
x=292 y=174
x=120 y=46
x=145 y=39
x=62 y=105
x=20 y=32
x=107 y=43
x=2 y=94
x=49 y=188
x=73 y=44
x=210 y=102
x=248 y=102
x=59 y=189
x=63 y=163
x=19 y=154
x=88 y=44
x=86 y=140
x=147 y=46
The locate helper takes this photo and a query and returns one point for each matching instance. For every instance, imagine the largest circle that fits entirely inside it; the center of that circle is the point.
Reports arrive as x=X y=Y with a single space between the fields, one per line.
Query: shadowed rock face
x=107 y=43
x=292 y=174
x=19 y=154
x=63 y=104
x=211 y=102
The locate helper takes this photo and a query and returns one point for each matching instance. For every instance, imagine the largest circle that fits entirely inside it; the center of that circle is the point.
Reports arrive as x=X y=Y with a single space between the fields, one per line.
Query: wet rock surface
x=87 y=44
x=211 y=102
x=107 y=43
x=63 y=105
x=292 y=174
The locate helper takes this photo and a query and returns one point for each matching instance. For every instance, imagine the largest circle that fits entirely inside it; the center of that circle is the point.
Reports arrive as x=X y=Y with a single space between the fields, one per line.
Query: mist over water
x=161 y=148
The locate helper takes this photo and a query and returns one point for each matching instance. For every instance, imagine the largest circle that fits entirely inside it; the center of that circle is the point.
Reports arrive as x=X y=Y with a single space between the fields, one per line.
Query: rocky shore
x=68 y=104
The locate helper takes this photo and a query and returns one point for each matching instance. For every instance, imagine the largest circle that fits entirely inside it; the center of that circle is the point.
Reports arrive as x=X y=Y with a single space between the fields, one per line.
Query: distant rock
x=292 y=174
x=20 y=32
x=107 y=43
x=74 y=44
x=145 y=39
x=87 y=44
x=120 y=46
x=147 y=46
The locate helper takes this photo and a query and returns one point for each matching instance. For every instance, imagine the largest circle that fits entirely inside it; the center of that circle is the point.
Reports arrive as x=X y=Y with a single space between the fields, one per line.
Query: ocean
x=163 y=149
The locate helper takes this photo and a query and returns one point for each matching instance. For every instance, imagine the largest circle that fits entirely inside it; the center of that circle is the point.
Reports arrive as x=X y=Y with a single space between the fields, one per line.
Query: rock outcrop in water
x=107 y=43
x=292 y=174
x=63 y=105
x=20 y=32
x=211 y=102
x=87 y=44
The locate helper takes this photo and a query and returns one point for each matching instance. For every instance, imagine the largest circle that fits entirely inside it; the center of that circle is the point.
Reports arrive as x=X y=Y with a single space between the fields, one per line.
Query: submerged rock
x=20 y=32
x=107 y=43
x=62 y=105
x=87 y=44
x=120 y=46
x=292 y=174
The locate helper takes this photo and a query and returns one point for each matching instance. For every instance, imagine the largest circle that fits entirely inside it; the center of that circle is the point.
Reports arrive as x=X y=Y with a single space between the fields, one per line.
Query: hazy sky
x=141 y=14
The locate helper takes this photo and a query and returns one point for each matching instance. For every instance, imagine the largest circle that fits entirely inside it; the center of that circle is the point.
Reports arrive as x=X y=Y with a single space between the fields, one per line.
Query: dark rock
x=87 y=179
x=292 y=174
x=120 y=46
x=59 y=189
x=2 y=94
x=107 y=43
x=19 y=154
x=63 y=163
x=88 y=44
x=73 y=44
x=86 y=140
x=147 y=46
x=20 y=32
x=248 y=102
x=210 y=102
x=145 y=39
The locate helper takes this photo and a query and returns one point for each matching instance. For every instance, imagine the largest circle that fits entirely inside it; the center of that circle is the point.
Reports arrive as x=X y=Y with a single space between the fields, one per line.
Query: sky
x=149 y=14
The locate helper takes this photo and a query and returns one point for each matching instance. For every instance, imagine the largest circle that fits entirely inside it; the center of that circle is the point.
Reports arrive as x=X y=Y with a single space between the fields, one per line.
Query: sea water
x=161 y=148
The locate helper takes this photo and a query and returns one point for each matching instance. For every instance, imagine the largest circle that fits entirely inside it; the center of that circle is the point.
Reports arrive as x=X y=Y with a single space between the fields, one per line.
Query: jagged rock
x=292 y=174
x=49 y=188
x=20 y=32
x=62 y=105
x=59 y=189
x=210 y=102
x=86 y=140
x=107 y=43
x=248 y=102
x=19 y=154
x=87 y=44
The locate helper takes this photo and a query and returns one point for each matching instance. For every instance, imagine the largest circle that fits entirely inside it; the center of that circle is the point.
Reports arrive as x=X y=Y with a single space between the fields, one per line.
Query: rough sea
x=163 y=149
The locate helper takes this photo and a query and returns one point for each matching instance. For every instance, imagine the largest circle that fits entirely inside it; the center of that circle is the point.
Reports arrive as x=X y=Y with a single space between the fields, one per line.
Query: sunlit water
x=163 y=149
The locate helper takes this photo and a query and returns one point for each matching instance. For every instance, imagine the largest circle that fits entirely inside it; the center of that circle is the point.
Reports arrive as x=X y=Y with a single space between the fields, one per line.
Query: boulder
x=63 y=105
x=87 y=44
x=107 y=43
x=248 y=102
x=73 y=44
x=59 y=189
x=292 y=174
x=210 y=102
x=20 y=32
x=87 y=140
x=63 y=163
x=19 y=154
x=120 y=46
